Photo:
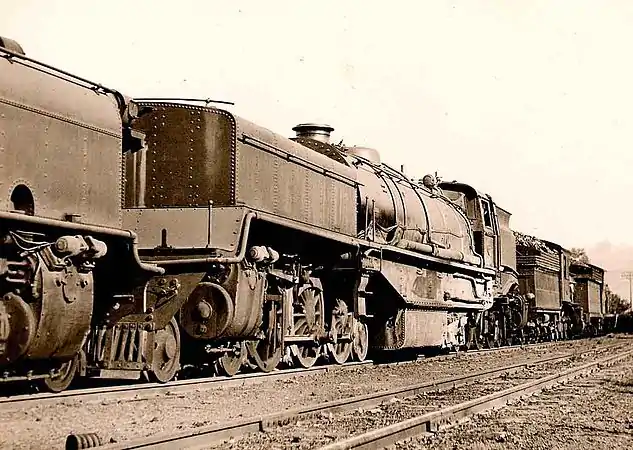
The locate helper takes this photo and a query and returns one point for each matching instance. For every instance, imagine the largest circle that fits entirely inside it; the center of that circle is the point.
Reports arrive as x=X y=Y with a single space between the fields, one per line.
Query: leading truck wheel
x=63 y=378
x=166 y=357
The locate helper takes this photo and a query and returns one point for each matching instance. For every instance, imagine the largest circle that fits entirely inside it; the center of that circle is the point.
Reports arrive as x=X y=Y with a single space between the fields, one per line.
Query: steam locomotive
x=140 y=236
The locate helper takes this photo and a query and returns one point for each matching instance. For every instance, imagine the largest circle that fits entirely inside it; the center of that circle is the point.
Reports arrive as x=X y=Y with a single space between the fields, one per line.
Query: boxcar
x=589 y=293
x=543 y=268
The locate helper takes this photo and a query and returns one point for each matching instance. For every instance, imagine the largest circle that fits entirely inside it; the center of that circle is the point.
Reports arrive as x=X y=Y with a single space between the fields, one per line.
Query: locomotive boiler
x=295 y=248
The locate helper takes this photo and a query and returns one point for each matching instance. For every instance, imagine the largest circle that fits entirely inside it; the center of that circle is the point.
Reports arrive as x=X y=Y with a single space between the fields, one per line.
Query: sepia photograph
x=316 y=225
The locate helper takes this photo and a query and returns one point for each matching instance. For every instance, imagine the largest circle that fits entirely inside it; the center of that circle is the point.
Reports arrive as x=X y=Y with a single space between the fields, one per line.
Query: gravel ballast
x=594 y=412
x=47 y=425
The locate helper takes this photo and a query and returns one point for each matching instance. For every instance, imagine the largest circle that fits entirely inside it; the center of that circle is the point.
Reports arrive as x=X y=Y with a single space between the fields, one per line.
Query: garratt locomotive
x=141 y=235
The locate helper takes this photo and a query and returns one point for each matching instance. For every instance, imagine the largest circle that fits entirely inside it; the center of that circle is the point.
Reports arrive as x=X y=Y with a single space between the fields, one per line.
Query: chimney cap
x=313 y=127
x=315 y=131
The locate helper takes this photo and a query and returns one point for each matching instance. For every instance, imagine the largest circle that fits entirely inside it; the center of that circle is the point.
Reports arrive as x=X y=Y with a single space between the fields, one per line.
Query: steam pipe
x=454 y=255
x=35 y=220
x=210 y=225
x=373 y=219
x=366 y=217
x=53 y=223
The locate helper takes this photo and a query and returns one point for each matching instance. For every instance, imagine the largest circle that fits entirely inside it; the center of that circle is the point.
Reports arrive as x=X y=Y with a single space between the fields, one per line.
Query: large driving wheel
x=308 y=320
x=341 y=324
x=266 y=352
x=166 y=356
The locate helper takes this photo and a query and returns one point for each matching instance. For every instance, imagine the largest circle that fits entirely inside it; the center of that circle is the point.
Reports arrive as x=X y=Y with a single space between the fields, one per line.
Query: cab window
x=485 y=212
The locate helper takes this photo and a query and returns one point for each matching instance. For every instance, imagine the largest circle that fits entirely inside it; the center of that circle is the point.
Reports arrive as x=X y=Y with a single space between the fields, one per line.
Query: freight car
x=589 y=295
x=544 y=271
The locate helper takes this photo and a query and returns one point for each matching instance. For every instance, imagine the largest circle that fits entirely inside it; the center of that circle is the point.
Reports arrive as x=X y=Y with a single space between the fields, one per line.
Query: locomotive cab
x=494 y=239
x=484 y=219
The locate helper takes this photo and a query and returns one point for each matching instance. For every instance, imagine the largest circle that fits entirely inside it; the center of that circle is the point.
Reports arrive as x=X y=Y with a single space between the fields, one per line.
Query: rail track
x=121 y=392
x=134 y=390
x=305 y=420
x=448 y=416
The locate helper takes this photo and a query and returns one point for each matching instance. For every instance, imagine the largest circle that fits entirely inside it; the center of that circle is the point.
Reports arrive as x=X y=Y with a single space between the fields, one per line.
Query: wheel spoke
x=305 y=355
x=310 y=302
x=341 y=325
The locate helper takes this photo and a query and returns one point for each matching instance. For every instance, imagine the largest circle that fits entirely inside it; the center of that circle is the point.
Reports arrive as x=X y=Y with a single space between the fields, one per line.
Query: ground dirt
x=594 y=412
x=46 y=426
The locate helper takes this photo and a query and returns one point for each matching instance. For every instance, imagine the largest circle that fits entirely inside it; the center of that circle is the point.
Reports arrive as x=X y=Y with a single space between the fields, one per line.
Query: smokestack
x=315 y=131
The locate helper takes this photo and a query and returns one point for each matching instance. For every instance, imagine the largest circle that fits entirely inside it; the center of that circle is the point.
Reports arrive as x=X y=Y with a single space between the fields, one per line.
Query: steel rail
x=134 y=390
x=137 y=389
x=445 y=417
x=214 y=434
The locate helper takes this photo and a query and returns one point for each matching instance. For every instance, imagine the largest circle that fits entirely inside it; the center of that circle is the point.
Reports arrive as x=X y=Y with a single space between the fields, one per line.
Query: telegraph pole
x=629 y=276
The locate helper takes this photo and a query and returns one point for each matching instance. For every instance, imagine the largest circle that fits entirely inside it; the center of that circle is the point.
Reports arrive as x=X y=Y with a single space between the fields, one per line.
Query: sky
x=528 y=101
